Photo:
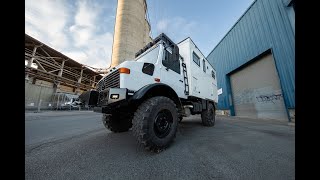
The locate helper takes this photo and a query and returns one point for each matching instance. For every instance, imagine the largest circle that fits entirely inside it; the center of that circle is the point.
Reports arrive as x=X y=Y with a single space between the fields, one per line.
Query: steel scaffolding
x=55 y=67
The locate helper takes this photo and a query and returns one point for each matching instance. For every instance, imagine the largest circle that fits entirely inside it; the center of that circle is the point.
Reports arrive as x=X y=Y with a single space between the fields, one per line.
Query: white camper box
x=201 y=75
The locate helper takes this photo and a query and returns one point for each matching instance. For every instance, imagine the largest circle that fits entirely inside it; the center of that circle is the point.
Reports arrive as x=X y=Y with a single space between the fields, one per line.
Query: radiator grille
x=112 y=80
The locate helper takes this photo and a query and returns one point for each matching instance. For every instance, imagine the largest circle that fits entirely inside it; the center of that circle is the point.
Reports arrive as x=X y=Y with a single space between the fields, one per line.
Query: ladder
x=185 y=76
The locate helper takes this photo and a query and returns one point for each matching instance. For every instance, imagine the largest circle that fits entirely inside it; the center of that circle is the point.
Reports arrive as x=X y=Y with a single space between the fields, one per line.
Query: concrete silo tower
x=131 y=30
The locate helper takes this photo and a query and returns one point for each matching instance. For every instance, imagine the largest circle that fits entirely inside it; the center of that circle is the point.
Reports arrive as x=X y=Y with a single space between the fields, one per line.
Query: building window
x=213 y=75
x=204 y=65
x=196 y=59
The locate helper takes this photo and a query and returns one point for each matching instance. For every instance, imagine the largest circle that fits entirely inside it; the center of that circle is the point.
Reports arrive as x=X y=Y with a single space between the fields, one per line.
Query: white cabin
x=201 y=75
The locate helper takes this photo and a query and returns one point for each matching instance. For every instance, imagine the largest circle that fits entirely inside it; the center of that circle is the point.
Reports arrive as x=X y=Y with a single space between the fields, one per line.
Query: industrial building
x=52 y=75
x=255 y=62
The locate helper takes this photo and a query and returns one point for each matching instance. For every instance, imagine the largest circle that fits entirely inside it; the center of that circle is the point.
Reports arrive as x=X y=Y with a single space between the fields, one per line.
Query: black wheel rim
x=162 y=123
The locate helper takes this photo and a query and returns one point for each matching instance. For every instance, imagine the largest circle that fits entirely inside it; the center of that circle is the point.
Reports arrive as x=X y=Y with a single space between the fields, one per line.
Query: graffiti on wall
x=265 y=98
x=261 y=95
x=262 y=102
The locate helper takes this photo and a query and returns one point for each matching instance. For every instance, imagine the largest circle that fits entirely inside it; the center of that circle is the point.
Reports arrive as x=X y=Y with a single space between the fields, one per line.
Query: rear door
x=196 y=90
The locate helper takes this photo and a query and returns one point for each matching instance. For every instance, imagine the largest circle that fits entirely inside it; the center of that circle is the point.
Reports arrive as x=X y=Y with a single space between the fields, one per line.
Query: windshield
x=151 y=56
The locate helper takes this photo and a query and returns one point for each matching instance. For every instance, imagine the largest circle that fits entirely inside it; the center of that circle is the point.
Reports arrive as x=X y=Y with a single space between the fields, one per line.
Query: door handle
x=181 y=81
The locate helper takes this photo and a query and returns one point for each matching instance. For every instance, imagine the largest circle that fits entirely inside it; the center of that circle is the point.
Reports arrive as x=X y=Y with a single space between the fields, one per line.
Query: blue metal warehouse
x=255 y=62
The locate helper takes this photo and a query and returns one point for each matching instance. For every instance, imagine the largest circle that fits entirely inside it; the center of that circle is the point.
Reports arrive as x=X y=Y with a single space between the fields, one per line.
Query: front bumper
x=105 y=100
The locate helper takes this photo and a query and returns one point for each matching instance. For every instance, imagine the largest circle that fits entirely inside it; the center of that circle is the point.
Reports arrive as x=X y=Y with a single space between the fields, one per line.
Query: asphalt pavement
x=75 y=145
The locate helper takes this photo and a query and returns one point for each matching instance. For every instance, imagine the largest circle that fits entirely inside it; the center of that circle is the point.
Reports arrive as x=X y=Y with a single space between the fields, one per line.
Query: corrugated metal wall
x=265 y=25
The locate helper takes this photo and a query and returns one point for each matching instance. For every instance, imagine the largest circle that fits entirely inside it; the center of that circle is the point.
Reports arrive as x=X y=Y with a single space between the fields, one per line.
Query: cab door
x=171 y=72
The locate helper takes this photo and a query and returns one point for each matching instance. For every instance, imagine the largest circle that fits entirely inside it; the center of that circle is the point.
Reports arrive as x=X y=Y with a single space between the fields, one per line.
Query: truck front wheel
x=117 y=122
x=155 y=123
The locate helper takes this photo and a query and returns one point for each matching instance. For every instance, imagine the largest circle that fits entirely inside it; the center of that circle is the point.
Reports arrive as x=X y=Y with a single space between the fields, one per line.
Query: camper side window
x=213 y=75
x=196 y=59
x=204 y=65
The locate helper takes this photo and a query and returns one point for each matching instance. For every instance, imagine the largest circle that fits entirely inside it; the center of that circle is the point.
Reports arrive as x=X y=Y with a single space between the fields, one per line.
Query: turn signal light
x=124 y=70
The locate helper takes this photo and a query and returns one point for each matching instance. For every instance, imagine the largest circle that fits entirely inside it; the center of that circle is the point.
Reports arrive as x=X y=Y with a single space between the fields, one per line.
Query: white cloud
x=176 y=28
x=74 y=28
x=162 y=25
x=86 y=14
x=46 y=20
x=99 y=50
x=85 y=23
x=81 y=35
x=85 y=34
x=80 y=56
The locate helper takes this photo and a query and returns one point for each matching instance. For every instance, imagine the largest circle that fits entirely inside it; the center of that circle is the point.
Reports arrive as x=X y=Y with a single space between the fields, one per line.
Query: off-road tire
x=117 y=122
x=208 y=116
x=152 y=112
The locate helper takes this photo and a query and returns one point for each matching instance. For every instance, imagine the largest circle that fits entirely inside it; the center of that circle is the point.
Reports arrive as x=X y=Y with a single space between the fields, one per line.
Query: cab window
x=170 y=62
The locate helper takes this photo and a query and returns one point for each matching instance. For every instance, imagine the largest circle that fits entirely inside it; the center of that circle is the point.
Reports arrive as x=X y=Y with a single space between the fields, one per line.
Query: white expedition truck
x=151 y=94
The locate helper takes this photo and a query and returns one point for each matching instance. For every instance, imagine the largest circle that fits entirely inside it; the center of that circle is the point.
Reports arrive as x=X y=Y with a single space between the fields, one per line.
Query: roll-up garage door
x=256 y=91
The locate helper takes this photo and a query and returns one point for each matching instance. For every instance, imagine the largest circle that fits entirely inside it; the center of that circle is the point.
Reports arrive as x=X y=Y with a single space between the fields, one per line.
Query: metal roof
x=31 y=42
x=54 y=67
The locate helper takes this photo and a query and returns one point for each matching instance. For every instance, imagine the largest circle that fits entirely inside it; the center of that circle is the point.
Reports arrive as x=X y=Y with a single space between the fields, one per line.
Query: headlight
x=114 y=96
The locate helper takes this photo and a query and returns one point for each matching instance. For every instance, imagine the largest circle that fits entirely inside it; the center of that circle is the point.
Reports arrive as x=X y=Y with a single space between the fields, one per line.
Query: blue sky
x=83 y=29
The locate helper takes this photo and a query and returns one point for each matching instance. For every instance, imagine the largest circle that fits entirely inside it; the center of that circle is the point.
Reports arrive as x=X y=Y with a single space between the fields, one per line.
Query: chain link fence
x=39 y=98
x=40 y=105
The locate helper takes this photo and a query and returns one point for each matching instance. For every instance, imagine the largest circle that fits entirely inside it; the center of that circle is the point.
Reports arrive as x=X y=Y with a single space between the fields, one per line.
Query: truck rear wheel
x=208 y=116
x=117 y=122
x=155 y=123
